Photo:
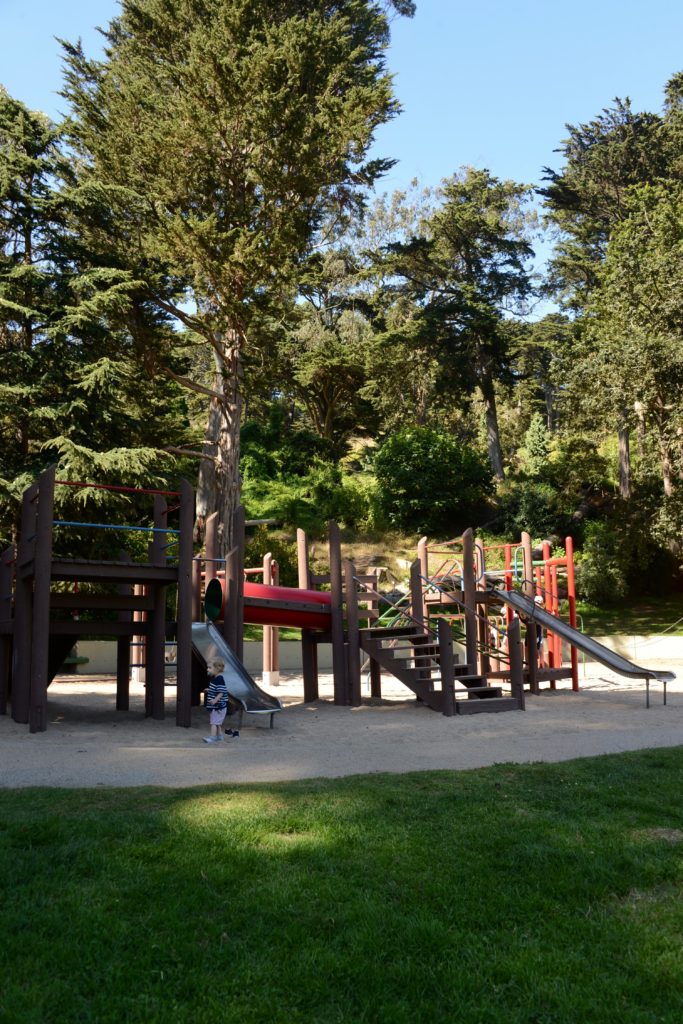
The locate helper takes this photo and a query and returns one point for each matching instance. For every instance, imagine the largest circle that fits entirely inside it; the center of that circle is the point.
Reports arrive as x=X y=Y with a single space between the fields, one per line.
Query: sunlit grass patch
x=510 y=894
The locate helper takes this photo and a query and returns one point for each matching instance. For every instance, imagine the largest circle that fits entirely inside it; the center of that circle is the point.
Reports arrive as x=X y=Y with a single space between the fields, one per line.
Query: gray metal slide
x=533 y=613
x=209 y=643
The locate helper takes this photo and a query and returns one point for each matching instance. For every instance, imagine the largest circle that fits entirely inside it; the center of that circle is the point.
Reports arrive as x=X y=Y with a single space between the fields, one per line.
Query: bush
x=602 y=566
x=529 y=505
x=310 y=501
x=263 y=541
x=429 y=482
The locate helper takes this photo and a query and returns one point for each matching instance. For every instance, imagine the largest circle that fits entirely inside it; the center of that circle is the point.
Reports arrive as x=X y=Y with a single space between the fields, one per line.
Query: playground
x=89 y=744
x=477 y=629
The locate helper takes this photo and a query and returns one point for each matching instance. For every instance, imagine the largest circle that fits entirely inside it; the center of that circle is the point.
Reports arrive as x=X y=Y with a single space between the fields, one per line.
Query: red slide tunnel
x=273 y=606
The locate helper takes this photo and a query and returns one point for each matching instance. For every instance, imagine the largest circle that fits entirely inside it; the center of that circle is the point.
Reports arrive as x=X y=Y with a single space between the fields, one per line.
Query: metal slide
x=208 y=643
x=533 y=613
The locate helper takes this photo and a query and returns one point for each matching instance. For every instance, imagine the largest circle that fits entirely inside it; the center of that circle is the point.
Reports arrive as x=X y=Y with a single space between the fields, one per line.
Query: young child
x=216 y=701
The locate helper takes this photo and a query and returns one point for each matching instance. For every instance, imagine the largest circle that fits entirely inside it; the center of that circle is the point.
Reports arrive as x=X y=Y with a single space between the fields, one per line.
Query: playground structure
x=455 y=640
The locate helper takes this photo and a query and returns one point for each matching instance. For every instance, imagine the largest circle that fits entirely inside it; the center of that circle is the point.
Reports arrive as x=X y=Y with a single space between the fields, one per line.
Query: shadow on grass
x=511 y=894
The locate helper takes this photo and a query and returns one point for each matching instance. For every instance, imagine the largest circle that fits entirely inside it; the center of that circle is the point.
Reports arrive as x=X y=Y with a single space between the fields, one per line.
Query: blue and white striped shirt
x=217 y=688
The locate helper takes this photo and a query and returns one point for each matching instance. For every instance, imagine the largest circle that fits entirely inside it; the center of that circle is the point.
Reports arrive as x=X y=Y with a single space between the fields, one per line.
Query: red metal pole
x=571 y=597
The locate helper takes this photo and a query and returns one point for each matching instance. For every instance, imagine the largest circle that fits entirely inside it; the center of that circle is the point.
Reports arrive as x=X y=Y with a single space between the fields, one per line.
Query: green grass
x=533 y=894
x=642 y=617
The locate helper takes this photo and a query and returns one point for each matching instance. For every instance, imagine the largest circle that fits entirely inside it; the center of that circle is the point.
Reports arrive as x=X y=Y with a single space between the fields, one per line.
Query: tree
x=430 y=482
x=466 y=271
x=219 y=132
x=33 y=286
x=604 y=158
x=325 y=349
x=636 y=327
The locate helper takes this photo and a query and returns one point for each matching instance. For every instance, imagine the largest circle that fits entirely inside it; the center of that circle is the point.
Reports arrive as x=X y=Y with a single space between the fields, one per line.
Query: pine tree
x=218 y=132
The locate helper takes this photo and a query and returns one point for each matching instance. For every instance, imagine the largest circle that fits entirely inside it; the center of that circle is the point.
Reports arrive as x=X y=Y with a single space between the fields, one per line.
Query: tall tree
x=466 y=272
x=219 y=131
x=636 y=323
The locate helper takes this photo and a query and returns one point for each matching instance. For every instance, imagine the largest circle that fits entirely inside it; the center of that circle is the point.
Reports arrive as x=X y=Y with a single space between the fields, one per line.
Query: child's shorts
x=217 y=717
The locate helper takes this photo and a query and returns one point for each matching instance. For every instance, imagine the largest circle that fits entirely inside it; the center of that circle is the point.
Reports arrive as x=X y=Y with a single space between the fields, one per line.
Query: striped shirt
x=217 y=688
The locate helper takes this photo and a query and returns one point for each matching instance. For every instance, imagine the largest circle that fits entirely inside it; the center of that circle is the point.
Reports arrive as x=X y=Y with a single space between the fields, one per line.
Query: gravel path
x=89 y=743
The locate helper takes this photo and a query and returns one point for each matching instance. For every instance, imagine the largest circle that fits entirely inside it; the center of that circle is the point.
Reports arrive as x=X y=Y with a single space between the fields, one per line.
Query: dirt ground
x=89 y=743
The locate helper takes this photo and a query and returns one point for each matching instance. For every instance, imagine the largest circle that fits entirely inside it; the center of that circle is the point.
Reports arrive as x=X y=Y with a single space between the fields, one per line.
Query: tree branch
x=192 y=385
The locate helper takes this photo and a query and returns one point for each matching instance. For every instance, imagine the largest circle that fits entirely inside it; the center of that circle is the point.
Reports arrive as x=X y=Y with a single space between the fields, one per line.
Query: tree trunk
x=666 y=469
x=549 y=397
x=492 y=432
x=219 y=483
x=624 y=462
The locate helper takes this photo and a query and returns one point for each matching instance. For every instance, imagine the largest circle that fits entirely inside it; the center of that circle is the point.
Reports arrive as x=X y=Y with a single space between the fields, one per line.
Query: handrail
x=400 y=612
x=483 y=648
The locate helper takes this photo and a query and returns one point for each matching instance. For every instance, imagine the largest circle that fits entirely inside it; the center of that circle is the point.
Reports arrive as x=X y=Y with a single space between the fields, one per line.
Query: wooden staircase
x=414 y=657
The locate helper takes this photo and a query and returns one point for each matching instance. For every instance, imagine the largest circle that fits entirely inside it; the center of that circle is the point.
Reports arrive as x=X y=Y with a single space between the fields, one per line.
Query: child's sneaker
x=232 y=732
x=210 y=739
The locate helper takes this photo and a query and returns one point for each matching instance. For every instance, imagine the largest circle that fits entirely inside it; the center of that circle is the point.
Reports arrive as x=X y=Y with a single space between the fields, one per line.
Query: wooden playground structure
x=452 y=640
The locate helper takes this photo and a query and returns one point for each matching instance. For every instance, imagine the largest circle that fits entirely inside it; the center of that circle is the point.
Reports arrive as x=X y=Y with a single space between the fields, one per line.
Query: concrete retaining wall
x=101 y=654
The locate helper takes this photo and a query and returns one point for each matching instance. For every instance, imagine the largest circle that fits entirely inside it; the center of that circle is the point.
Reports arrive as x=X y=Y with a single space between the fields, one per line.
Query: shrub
x=529 y=505
x=263 y=541
x=602 y=570
x=429 y=482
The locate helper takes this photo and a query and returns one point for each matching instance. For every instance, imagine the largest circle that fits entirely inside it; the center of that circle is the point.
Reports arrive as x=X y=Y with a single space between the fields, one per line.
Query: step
x=477 y=707
x=482 y=692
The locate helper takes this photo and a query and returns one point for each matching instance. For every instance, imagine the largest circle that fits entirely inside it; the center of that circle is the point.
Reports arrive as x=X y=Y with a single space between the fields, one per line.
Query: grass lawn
x=636 y=618
x=535 y=894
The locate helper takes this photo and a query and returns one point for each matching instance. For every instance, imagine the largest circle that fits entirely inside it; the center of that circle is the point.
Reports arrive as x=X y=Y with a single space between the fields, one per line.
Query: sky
x=489 y=84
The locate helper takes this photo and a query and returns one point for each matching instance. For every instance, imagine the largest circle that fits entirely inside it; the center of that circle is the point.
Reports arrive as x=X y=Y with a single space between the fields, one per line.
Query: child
x=216 y=701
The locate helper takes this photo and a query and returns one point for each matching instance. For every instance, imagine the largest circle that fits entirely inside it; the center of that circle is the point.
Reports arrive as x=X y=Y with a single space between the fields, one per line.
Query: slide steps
x=414 y=659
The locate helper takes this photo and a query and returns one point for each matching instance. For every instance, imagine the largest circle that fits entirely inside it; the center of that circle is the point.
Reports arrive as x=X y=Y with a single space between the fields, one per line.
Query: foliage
x=219 y=135
x=623 y=556
x=429 y=482
x=262 y=542
x=535 y=451
x=602 y=570
x=465 y=270
x=309 y=501
x=530 y=505
x=278 y=449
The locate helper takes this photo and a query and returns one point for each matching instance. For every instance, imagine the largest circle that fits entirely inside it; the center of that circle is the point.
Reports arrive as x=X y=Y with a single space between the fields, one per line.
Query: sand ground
x=88 y=743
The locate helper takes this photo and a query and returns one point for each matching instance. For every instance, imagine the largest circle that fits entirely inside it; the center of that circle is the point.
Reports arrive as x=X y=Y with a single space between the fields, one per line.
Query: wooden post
x=516 y=662
x=7 y=560
x=421 y=624
x=184 y=607
x=309 y=648
x=484 y=627
x=532 y=657
x=423 y=560
x=155 y=670
x=197 y=610
x=123 y=647
x=528 y=586
x=341 y=692
x=40 y=631
x=417 y=605
x=271 y=670
x=23 y=607
x=211 y=548
x=238 y=533
x=469 y=599
x=571 y=597
x=447 y=666
x=233 y=570
x=353 y=646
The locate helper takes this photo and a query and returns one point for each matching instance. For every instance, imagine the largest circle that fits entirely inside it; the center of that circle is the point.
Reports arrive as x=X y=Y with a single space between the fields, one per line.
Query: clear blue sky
x=488 y=84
